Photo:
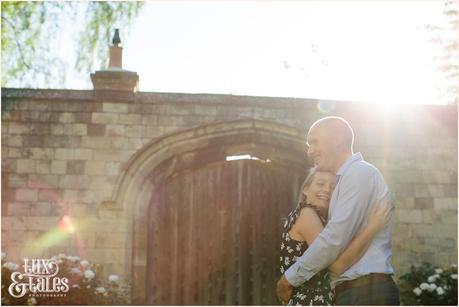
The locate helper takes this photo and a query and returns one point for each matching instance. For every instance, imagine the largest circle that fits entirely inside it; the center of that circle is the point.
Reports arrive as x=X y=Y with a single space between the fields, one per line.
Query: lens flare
x=325 y=106
x=66 y=225
x=65 y=228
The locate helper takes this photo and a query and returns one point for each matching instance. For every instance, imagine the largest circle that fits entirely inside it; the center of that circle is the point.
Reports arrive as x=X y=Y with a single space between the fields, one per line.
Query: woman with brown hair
x=303 y=225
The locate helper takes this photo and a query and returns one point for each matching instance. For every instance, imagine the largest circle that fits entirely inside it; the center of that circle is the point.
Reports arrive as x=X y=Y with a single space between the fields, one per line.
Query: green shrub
x=427 y=285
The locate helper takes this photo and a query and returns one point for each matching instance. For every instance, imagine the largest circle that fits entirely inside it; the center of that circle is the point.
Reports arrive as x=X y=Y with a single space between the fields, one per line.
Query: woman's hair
x=307 y=182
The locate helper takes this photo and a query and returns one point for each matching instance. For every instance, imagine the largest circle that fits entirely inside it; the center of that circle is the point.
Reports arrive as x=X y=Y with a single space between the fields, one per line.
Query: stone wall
x=64 y=153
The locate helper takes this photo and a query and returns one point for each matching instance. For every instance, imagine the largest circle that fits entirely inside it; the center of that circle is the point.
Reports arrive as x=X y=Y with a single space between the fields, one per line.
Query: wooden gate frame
x=162 y=157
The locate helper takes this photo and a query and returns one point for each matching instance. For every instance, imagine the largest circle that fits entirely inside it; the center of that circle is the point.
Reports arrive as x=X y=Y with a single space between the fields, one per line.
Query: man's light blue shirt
x=359 y=185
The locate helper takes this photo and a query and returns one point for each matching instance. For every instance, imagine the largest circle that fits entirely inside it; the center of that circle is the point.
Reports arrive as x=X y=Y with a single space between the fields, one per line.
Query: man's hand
x=284 y=290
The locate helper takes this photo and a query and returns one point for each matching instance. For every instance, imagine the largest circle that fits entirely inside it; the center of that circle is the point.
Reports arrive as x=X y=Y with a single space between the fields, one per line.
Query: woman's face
x=318 y=193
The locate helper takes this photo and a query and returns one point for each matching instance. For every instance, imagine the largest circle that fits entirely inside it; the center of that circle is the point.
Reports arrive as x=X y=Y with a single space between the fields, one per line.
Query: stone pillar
x=115 y=83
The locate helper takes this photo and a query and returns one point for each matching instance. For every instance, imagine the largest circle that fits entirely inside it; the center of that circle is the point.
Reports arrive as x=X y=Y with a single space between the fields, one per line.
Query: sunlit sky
x=370 y=51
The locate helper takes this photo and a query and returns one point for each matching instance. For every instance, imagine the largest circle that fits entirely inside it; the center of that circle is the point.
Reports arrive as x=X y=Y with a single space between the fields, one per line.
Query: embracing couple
x=336 y=245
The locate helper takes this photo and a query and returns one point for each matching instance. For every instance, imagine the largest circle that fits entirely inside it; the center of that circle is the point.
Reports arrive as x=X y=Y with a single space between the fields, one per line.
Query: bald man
x=358 y=186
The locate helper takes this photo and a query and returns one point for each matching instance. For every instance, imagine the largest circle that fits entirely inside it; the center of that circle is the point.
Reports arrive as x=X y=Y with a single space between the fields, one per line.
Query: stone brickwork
x=64 y=153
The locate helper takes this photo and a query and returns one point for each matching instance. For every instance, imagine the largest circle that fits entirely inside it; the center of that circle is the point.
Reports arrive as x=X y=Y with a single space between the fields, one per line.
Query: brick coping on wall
x=447 y=114
x=89 y=95
x=155 y=97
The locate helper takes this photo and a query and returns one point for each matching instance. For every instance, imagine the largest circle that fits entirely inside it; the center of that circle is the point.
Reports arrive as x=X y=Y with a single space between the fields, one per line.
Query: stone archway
x=186 y=151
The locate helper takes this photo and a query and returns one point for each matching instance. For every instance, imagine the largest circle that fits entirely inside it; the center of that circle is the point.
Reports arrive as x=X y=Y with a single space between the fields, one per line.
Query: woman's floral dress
x=315 y=291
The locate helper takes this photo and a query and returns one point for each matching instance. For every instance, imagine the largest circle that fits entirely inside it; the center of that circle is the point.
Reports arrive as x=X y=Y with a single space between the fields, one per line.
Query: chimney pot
x=115 y=78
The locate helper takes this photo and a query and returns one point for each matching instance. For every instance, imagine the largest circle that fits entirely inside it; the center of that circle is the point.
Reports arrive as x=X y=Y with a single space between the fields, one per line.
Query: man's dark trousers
x=373 y=289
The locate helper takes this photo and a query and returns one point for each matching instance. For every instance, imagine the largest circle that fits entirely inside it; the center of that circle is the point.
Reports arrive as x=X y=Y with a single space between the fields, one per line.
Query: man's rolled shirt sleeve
x=355 y=191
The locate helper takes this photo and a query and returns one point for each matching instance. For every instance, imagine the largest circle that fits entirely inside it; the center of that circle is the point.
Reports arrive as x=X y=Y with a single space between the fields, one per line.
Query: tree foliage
x=446 y=37
x=31 y=33
x=101 y=16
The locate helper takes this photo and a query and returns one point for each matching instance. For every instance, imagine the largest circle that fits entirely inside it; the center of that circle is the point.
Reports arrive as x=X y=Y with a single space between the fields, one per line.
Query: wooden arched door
x=214 y=233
